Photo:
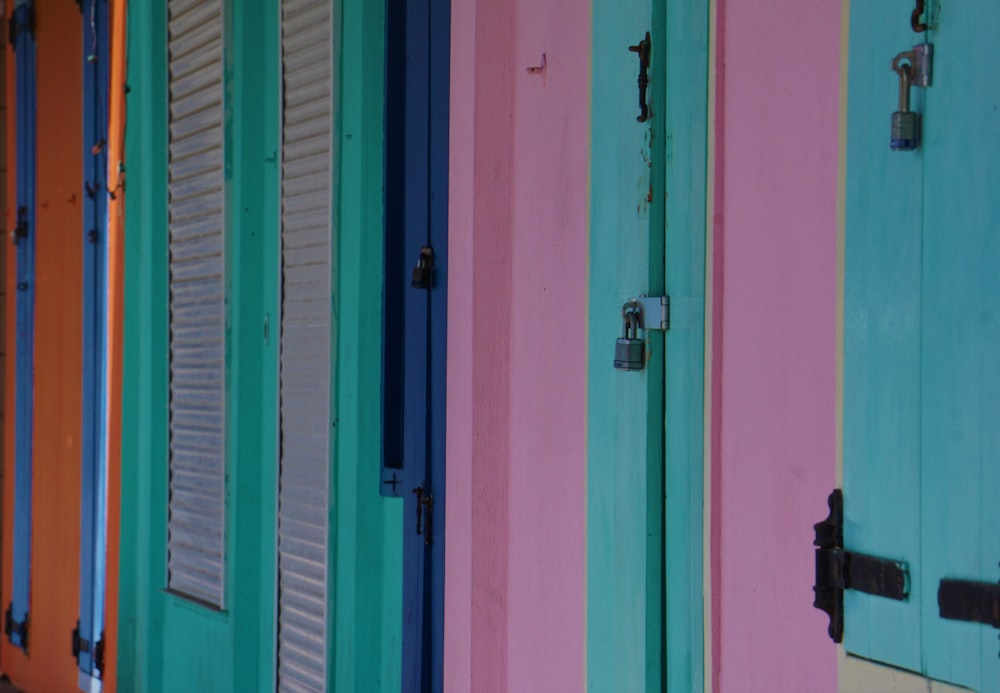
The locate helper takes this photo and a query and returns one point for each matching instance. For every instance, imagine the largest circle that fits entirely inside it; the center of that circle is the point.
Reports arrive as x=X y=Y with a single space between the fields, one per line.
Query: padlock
x=905 y=134
x=630 y=351
x=423 y=273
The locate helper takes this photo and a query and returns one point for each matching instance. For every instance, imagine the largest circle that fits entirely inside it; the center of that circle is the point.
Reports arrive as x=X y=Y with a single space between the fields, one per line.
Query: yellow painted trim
x=709 y=315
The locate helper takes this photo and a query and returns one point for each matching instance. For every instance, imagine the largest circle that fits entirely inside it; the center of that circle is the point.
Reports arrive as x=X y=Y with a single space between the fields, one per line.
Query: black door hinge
x=99 y=655
x=18 y=628
x=15 y=28
x=968 y=600
x=838 y=570
x=21 y=230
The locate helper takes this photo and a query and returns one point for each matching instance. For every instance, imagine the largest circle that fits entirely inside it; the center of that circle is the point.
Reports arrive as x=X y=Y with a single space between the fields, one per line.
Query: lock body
x=905 y=131
x=630 y=351
x=630 y=354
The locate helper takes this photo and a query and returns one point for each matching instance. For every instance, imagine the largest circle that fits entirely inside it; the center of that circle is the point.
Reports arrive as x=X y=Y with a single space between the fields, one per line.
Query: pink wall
x=774 y=360
x=515 y=558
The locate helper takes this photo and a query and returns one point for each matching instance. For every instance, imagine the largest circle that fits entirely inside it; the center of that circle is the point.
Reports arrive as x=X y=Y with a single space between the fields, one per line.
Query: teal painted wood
x=366 y=571
x=921 y=377
x=960 y=337
x=636 y=444
x=144 y=356
x=881 y=336
x=685 y=178
x=170 y=643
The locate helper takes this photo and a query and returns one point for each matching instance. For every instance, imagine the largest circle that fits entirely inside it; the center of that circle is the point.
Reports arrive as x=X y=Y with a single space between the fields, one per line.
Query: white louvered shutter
x=307 y=242
x=196 y=526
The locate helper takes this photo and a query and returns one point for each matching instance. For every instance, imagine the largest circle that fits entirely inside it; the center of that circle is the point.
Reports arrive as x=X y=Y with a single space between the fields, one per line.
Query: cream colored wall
x=858 y=675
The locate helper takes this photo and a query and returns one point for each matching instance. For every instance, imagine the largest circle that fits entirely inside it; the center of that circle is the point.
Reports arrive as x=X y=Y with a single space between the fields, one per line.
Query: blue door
x=921 y=335
x=22 y=36
x=415 y=312
x=88 y=637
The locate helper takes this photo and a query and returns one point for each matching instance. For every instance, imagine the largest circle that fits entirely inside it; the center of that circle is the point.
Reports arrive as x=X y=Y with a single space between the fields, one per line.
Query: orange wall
x=50 y=666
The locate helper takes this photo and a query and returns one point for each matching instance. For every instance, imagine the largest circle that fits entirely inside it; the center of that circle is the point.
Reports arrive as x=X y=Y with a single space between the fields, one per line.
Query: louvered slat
x=196 y=526
x=306 y=239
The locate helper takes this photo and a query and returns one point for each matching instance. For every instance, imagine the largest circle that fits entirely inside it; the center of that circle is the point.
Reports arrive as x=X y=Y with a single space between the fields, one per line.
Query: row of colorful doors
x=56 y=461
x=269 y=401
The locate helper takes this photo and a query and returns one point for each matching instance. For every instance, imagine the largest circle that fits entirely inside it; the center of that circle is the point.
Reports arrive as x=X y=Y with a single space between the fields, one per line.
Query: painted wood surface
x=931 y=318
x=116 y=278
x=365 y=654
x=645 y=433
x=774 y=322
x=625 y=409
x=57 y=393
x=516 y=345
x=230 y=649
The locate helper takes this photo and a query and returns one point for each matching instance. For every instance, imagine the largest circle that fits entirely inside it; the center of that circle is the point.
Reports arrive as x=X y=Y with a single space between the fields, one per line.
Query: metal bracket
x=654 y=311
x=922 y=59
x=18 y=628
x=838 y=570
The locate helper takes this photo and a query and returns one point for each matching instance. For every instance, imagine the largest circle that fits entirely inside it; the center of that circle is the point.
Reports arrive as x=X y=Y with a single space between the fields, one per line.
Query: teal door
x=648 y=183
x=921 y=334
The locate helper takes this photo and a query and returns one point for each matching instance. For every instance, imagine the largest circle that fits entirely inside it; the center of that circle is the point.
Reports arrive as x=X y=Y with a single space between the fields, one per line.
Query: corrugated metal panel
x=306 y=235
x=196 y=545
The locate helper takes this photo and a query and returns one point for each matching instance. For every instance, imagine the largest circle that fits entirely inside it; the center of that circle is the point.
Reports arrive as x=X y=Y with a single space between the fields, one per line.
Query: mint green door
x=921 y=377
x=645 y=430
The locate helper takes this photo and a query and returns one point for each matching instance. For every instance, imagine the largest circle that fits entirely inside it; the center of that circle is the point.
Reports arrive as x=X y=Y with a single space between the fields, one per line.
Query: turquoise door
x=921 y=333
x=645 y=431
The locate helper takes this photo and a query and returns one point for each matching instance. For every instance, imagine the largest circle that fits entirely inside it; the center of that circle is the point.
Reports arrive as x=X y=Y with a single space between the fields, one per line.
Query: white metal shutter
x=306 y=241
x=196 y=541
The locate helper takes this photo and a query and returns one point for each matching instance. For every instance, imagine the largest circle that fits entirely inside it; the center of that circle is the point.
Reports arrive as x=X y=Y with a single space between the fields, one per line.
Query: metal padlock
x=630 y=351
x=423 y=273
x=905 y=135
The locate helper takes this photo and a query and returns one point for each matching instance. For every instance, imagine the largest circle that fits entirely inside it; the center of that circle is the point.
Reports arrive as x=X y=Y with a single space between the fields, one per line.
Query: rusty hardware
x=643 y=50
x=424 y=500
x=917 y=25
x=838 y=569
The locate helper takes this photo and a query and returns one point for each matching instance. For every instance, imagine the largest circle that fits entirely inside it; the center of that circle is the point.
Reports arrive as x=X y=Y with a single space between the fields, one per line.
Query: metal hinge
x=838 y=570
x=21 y=230
x=654 y=312
x=12 y=627
x=15 y=28
x=80 y=644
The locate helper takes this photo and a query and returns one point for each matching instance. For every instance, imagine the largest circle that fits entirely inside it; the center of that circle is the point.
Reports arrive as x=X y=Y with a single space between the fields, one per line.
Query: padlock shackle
x=905 y=72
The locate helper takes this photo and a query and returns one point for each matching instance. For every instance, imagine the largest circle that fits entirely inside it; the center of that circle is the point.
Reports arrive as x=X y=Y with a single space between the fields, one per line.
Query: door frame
x=665 y=625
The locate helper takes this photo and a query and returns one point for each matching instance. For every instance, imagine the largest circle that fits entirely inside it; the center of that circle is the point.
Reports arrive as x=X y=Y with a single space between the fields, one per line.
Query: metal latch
x=13 y=627
x=654 y=312
x=838 y=570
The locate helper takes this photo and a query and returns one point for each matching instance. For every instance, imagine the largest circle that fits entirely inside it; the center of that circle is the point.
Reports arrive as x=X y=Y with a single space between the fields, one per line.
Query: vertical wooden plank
x=882 y=330
x=144 y=362
x=116 y=277
x=682 y=181
x=960 y=528
x=625 y=455
x=367 y=565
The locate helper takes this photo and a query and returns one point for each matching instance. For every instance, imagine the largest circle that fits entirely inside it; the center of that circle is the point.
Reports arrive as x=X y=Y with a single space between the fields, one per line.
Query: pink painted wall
x=515 y=527
x=774 y=360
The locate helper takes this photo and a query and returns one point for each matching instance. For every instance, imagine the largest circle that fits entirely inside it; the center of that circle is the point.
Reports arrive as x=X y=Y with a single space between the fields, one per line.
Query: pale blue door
x=921 y=340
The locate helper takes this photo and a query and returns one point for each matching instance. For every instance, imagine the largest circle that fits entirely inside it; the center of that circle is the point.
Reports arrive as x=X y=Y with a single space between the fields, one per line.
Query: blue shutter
x=16 y=625
x=93 y=503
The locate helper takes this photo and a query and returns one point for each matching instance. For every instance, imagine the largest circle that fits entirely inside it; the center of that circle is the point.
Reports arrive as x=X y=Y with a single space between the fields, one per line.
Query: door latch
x=644 y=312
x=643 y=49
x=424 y=501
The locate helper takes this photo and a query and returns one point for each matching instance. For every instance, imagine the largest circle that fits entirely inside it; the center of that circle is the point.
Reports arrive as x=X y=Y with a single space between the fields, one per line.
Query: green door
x=648 y=183
x=921 y=332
